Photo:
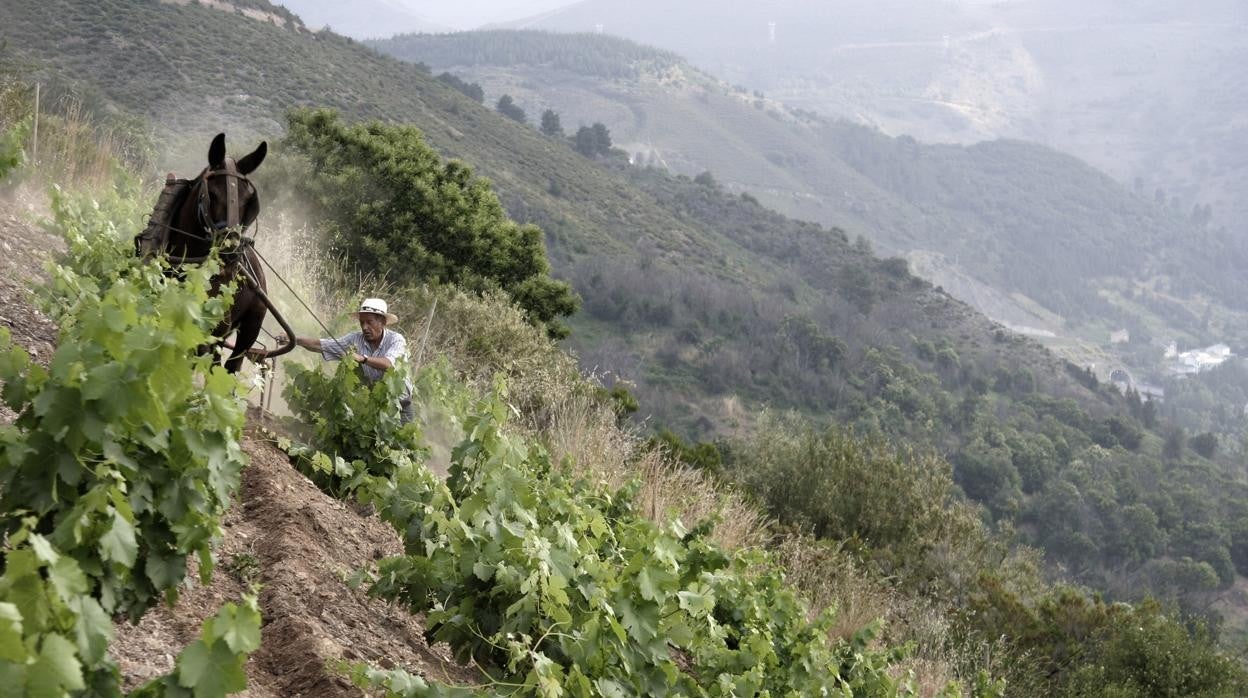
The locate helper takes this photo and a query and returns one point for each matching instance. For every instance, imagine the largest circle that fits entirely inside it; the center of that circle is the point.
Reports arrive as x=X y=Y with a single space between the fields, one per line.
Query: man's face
x=372 y=326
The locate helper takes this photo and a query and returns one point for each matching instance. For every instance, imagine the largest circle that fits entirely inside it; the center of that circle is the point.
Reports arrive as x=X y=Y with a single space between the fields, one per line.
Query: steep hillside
x=1146 y=91
x=374 y=18
x=711 y=303
x=1035 y=226
x=589 y=213
x=283 y=534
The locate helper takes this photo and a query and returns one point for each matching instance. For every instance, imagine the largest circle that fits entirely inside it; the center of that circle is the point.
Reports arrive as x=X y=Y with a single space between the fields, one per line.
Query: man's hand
x=359 y=358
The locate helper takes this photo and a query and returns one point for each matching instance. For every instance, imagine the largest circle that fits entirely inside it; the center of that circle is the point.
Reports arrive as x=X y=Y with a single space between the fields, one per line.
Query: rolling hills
x=1032 y=237
x=1146 y=91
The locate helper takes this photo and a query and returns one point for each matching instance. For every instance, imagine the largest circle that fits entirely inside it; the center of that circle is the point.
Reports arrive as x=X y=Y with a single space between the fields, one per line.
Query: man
x=374 y=347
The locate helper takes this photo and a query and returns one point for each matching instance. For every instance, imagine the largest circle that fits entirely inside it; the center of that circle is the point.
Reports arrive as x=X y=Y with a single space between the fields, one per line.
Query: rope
x=311 y=312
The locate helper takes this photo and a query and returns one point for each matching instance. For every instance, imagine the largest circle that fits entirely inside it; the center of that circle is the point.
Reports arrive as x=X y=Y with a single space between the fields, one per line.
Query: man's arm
x=380 y=363
x=396 y=346
x=309 y=343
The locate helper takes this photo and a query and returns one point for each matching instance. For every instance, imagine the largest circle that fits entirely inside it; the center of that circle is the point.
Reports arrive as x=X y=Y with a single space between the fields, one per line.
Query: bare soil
x=298 y=544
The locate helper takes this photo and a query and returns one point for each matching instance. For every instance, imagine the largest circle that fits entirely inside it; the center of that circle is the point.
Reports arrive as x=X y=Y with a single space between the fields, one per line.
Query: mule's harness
x=214 y=231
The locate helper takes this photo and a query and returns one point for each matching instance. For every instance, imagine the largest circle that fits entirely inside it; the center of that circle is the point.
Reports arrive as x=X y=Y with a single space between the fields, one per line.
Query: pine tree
x=508 y=108
x=550 y=124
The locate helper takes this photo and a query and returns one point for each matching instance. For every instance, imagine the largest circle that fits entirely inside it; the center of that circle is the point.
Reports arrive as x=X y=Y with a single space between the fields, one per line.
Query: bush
x=395 y=210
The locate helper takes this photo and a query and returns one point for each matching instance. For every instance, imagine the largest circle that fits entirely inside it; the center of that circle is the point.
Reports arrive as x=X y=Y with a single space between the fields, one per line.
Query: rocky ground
x=282 y=534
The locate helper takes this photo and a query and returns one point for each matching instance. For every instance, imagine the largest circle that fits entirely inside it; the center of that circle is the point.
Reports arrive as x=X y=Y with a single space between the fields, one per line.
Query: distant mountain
x=1147 y=91
x=363 y=19
x=1033 y=237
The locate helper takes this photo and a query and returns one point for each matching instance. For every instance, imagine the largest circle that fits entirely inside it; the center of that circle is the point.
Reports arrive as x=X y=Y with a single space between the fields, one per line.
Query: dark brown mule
x=216 y=208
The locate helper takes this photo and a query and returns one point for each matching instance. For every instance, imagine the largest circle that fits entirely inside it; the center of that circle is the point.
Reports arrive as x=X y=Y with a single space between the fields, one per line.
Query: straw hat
x=376 y=306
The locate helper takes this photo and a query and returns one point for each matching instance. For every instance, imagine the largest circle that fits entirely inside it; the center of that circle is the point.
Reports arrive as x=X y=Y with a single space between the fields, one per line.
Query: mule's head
x=226 y=199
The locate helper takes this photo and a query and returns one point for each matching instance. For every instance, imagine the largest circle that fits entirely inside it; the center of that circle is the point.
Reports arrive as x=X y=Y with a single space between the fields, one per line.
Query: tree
x=593 y=141
x=706 y=179
x=550 y=124
x=584 y=142
x=471 y=89
x=602 y=137
x=393 y=208
x=1205 y=444
x=508 y=108
x=1175 y=440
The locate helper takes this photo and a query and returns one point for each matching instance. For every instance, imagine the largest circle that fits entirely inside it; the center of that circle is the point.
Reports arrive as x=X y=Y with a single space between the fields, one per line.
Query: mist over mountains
x=368 y=19
x=1034 y=238
x=1146 y=91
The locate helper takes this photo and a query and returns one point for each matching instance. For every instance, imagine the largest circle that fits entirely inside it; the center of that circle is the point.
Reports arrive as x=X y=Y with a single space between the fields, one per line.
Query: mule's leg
x=248 y=331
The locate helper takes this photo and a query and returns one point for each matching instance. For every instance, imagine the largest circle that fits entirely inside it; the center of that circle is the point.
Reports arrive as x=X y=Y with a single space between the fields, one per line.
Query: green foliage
x=1205 y=444
x=12 y=147
x=555 y=584
x=53 y=633
x=623 y=402
x=395 y=209
x=214 y=664
x=550 y=124
x=897 y=511
x=701 y=455
x=1089 y=647
x=900 y=507
x=125 y=450
x=471 y=89
x=592 y=141
x=119 y=466
x=508 y=108
x=359 y=423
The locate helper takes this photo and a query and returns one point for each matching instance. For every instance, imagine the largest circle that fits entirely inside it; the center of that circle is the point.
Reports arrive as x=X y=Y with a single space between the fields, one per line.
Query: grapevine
x=555 y=586
x=122 y=460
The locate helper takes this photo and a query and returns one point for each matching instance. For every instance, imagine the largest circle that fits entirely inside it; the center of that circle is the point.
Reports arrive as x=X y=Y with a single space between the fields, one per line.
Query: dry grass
x=484 y=336
x=71 y=146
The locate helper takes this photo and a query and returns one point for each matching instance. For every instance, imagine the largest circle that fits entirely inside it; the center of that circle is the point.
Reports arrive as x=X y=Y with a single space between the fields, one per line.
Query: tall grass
x=69 y=145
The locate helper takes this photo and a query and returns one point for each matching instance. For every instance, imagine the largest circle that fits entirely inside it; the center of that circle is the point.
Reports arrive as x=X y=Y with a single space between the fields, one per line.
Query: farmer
x=374 y=347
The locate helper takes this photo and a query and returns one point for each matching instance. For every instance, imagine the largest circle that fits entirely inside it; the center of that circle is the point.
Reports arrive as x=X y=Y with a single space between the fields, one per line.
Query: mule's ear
x=252 y=160
x=216 y=152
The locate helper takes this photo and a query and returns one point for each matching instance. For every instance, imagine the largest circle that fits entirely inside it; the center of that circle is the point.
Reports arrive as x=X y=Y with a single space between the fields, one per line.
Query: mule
x=216 y=208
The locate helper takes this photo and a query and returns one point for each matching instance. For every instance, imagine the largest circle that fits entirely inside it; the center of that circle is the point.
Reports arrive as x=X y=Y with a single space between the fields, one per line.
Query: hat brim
x=391 y=318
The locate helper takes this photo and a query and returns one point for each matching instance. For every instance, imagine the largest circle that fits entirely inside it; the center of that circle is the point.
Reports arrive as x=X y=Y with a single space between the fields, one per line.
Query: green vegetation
x=552 y=584
x=122 y=395
x=393 y=209
x=120 y=464
x=715 y=305
x=472 y=90
x=508 y=108
x=550 y=125
x=12 y=142
x=592 y=141
x=1018 y=217
x=362 y=422
x=897 y=515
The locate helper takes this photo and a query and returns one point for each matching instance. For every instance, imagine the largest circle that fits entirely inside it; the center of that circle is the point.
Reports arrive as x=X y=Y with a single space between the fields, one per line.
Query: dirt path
x=282 y=533
x=300 y=545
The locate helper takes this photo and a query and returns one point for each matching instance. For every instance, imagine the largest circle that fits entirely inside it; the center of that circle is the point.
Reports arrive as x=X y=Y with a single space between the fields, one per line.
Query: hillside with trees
x=704 y=299
x=922 y=444
x=1034 y=238
x=1145 y=91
